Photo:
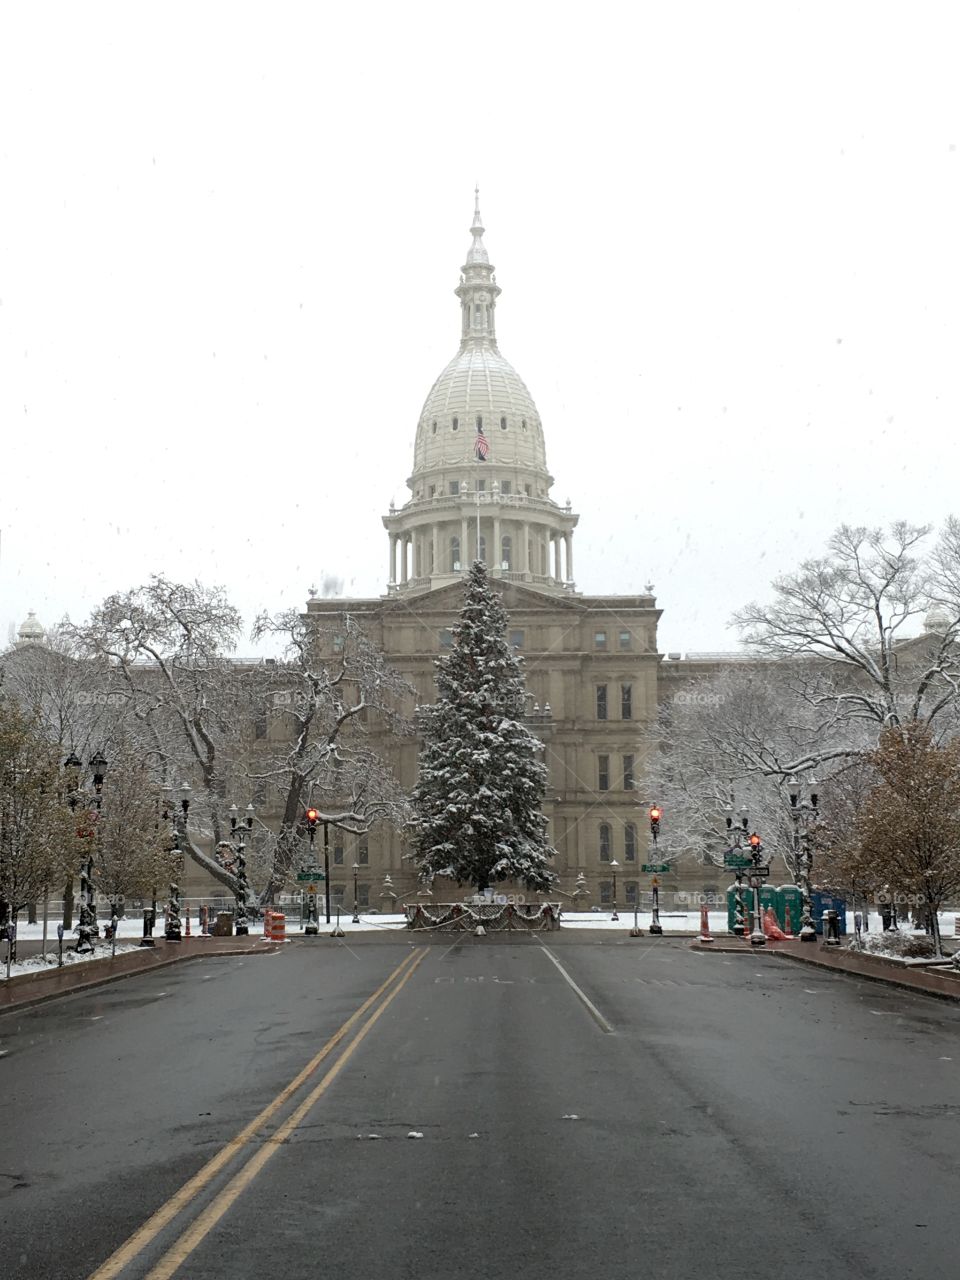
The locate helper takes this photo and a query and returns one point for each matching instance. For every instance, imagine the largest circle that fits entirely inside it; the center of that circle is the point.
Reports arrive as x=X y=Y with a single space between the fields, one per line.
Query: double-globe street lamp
x=758 y=870
x=173 y=931
x=804 y=814
x=87 y=927
x=614 y=865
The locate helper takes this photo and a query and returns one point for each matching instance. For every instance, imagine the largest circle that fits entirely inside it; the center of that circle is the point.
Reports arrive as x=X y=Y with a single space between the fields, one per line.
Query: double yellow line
x=178 y=1253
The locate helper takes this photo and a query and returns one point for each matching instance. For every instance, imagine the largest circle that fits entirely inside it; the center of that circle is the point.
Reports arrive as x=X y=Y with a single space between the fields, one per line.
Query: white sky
x=726 y=234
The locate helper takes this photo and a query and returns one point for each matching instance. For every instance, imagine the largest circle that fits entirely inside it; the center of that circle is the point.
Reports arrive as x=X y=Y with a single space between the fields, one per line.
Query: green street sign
x=738 y=861
x=313 y=873
x=655 y=867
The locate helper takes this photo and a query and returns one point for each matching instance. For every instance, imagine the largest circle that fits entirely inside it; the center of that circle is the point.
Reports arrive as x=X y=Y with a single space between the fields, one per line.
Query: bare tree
x=167 y=647
x=331 y=697
x=37 y=831
x=843 y=625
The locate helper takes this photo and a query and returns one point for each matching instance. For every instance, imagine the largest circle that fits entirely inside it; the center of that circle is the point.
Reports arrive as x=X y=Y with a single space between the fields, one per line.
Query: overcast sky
x=726 y=234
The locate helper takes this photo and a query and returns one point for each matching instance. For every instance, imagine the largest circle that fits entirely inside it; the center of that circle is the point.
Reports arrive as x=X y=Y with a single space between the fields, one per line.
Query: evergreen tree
x=477 y=802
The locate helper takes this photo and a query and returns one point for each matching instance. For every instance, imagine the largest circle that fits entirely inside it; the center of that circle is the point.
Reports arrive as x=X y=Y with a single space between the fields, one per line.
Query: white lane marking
x=600 y=1020
x=96 y=1017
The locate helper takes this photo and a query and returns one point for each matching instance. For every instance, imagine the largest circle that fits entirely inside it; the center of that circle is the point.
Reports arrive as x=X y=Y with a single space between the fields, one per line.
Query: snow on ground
x=33 y=963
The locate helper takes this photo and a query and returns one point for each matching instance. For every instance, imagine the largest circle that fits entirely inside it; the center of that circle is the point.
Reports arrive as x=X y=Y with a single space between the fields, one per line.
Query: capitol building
x=591 y=662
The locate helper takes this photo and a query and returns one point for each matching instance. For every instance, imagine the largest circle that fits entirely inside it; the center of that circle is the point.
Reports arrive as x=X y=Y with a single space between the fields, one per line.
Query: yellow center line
x=177 y=1255
x=180 y=1199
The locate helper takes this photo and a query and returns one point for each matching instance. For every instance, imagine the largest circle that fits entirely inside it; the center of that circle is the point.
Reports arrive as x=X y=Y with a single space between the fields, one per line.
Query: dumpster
x=223 y=925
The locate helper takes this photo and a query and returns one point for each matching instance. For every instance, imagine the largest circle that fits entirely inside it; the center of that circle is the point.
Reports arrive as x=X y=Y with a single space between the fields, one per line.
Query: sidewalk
x=47 y=984
x=943 y=983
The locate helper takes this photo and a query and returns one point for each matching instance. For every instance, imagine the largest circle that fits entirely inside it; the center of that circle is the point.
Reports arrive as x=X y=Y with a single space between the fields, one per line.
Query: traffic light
x=654 y=815
x=755 y=842
x=313 y=817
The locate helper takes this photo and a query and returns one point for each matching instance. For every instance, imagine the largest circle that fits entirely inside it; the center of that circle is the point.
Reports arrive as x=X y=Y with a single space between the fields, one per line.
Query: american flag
x=481 y=445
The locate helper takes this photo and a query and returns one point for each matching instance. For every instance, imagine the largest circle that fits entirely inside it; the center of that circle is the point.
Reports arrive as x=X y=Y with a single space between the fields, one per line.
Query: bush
x=895 y=942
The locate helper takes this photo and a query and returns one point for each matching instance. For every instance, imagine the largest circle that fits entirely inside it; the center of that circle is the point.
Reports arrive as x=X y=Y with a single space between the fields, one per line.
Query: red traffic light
x=312 y=816
x=655 y=812
x=754 y=841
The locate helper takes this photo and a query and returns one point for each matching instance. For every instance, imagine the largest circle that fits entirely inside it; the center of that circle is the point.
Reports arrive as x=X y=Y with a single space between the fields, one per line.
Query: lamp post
x=326 y=871
x=613 y=867
x=758 y=872
x=87 y=927
x=312 y=927
x=173 y=931
x=804 y=814
x=655 y=813
x=738 y=836
x=239 y=829
x=356 y=913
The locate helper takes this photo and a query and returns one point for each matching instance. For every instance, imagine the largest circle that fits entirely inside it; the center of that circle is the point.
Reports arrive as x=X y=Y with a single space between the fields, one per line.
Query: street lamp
x=87 y=927
x=312 y=927
x=804 y=814
x=613 y=867
x=239 y=829
x=655 y=813
x=173 y=931
x=738 y=835
x=356 y=872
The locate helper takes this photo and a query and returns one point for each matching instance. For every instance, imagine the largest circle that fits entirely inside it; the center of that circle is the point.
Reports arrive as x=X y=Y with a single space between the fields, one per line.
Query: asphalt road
x=681 y=1114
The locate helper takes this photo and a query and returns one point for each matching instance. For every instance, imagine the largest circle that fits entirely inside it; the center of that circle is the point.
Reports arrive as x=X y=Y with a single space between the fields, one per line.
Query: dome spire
x=477 y=252
x=478 y=290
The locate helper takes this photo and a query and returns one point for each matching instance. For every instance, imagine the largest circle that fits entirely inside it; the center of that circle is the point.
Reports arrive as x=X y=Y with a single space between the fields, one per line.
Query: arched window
x=503 y=424
x=630 y=842
x=523 y=424
x=454 y=554
x=456 y=424
x=506 y=552
x=604 y=842
x=434 y=428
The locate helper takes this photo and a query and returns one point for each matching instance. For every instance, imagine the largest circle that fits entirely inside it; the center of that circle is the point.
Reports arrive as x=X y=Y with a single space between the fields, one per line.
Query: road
x=612 y=1108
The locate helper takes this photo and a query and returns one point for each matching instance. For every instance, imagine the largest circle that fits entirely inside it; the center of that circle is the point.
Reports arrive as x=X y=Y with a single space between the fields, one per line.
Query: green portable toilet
x=790 y=895
x=769 y=898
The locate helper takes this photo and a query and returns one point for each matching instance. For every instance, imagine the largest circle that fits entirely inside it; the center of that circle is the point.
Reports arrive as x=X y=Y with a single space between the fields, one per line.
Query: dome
x=479 y=385
x=31 y=630
x=479 y=390
x=937 y=620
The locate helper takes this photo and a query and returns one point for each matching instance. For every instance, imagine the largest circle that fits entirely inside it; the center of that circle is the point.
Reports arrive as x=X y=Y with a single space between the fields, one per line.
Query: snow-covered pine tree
x=477 y=802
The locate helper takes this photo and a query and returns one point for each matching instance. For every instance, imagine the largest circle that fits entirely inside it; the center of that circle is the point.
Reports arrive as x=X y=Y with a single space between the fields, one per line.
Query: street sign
x=737 y=861
x=311 y=873
x=654 y=867
x=759 y=873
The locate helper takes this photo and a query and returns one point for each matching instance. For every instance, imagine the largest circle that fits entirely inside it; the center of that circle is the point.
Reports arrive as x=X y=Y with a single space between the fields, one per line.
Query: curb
x=31 y=1001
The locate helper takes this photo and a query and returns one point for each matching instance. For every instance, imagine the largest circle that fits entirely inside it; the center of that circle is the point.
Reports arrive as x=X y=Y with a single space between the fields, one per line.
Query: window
x=506 y=487
x=604 y=842
x=603 y=773
x=482 y=549
x=523 y=424
x=527 y=490
x=630 y=894
x=630 y=842
x=516 y=639
x=363 y=895
x=338 y=855
x=479 y=423
x=628 y=781
x=446 y=638
x=454 y=554
x=455 y=425
x=337 y=893
x=432 y=491
x=625 y=640
x=481 y=486
x=601 y=702
x=477 y=312
x=503 y=424
x=506 y=552
x=363 y=852
x=606 y=893
x=434 y=427
x=599 y=639
x=626 y=702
